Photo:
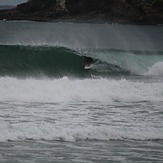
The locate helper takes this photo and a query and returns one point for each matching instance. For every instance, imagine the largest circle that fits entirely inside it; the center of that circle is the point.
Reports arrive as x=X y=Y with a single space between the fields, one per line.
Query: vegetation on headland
x=112 y=11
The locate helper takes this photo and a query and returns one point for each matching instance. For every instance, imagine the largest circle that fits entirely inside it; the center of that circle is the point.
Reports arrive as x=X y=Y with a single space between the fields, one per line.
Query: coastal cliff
x=111 y=11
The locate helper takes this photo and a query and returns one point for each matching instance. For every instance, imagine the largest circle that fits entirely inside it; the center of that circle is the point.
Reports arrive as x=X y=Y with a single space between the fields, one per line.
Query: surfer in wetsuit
x=88 y=61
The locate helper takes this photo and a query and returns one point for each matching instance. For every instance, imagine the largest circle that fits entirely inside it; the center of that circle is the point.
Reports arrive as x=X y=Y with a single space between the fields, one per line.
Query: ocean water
x=52 y=109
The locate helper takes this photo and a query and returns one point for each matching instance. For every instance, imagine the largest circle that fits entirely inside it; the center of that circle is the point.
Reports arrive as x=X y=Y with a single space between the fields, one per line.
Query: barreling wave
x=57 y=49
x=17 y=60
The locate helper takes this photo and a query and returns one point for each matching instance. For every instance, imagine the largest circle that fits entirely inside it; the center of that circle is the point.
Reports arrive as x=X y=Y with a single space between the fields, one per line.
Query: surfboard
x=88 y=66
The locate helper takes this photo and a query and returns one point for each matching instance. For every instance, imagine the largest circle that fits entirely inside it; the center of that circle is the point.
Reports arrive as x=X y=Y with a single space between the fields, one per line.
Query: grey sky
x=11 y=2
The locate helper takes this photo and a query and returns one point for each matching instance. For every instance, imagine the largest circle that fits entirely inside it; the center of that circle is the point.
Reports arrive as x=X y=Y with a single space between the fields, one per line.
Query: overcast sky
x=11 y=2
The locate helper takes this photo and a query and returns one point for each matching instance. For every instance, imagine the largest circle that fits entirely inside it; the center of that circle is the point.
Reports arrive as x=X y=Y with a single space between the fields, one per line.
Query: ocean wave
x=156 y=69
x=62 y=90
x=59 y=109
x=36 y=61
x=45 y=131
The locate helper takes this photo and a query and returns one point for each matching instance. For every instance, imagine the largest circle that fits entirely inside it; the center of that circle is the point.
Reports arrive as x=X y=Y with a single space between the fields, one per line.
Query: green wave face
x=26 y=61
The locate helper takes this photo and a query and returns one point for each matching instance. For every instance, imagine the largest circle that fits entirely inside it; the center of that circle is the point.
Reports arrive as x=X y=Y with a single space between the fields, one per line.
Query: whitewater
x=54 y=110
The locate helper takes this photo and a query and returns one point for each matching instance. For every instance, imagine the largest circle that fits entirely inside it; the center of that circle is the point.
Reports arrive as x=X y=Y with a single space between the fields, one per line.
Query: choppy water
x=53 y=110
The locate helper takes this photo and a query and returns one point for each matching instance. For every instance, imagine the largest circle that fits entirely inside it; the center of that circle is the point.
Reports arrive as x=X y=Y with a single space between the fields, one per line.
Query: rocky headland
x=110 y=11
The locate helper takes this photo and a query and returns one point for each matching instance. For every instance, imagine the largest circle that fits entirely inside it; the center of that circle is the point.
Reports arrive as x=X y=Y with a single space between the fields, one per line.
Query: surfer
x=88 y=62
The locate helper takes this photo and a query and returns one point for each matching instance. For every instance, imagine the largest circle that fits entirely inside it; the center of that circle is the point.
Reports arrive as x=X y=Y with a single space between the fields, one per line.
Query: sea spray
x=155 y=70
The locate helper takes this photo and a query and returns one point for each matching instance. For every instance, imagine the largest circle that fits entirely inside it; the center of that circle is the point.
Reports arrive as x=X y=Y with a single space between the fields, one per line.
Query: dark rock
x=112 y=11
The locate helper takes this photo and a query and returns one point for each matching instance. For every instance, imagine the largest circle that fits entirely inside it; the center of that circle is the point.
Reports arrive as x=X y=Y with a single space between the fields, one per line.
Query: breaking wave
x=57 y=61
x=50 y=132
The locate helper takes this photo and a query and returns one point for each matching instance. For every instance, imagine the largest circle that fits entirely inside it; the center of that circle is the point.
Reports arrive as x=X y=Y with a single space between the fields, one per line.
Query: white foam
x=155 y=70
x=83 y=90
x=60 y=109
x=52 y=132
x=68 y=90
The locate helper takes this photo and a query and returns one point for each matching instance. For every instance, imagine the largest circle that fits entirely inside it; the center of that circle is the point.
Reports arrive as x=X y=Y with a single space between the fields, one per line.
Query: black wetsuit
x=88 y=61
